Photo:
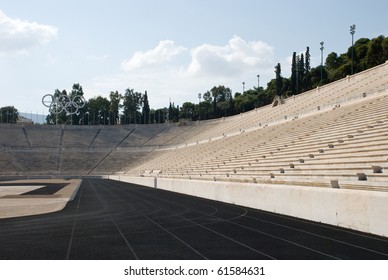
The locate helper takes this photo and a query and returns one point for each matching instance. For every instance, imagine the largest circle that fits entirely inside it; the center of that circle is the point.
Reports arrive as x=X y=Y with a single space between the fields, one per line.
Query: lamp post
x=352 y=31
x=322 y=61
x=243 y=84
x=258 y=82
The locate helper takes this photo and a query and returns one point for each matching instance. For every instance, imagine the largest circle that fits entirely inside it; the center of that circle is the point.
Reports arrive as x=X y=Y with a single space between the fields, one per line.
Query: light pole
x=352 y=31
x=243 y=83
x=258 y=82
x=322 y=61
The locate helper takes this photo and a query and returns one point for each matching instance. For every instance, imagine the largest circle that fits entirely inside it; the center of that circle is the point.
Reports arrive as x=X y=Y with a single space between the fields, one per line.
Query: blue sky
x=173 y=49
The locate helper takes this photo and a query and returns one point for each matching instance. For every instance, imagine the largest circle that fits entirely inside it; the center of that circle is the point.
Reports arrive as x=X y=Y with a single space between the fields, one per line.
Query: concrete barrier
x=360 y=210
x=144 y=181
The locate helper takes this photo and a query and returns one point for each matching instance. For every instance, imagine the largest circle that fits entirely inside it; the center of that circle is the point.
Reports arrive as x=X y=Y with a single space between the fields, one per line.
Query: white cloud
x=235 y=57
x=180 y=73
x=18 y=35
x=162 y=53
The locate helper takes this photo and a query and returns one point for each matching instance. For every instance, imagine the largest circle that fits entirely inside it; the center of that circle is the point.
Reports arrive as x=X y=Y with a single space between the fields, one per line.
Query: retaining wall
x=365 y=211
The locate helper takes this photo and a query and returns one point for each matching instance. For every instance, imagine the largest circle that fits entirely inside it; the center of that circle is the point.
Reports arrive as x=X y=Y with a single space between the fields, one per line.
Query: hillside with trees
x=133 y=107
x=9 y=114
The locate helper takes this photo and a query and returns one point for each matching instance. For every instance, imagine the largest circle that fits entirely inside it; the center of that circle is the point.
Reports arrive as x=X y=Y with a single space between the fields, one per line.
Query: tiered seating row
x=77 y=150
x=349 y=89
x=345 y=147
x=334 y=135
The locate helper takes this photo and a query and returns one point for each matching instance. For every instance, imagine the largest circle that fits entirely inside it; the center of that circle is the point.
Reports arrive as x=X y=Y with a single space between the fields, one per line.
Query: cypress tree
x=307 y=59
x=293 y=74
x=146 y=109
x=307 y=78
x=279 y=80
x=301 y=71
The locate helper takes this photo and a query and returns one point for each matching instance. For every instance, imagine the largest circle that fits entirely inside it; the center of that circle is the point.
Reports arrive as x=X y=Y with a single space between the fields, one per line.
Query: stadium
x=321 y=156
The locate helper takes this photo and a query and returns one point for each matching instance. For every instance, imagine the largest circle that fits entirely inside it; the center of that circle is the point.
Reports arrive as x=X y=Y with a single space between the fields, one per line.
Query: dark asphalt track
x=116 y=220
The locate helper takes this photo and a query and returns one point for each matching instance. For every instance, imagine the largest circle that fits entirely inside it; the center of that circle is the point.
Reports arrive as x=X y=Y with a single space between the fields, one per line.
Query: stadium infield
x=117 y=220
x=32 y=197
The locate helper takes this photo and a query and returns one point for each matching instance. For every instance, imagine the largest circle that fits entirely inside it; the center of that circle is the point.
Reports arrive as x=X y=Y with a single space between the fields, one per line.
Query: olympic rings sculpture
x=63 y=103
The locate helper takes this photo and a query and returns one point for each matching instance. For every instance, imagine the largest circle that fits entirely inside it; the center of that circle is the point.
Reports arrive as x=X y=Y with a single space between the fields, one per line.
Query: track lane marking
x=197 y=224
x=106 y=209
x=307 y=232
x=73 y=227
x=320 y=236
x=242 y=244
x=161 y=227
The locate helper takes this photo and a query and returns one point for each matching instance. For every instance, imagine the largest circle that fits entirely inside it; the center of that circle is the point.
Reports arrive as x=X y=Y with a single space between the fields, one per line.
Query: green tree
x=152 y=117
x=333 y=66
x=188 y=111
x=385 y=48
x=57 y=114
x=294 y=75
x=68 y=108
x=300 y=73
x=98 y=110
x=375 y=53
x=221 y=97
x=131 y=104
x=332 y=61
x=76 y=111
x=262 y=97
x=286 y=90
x=279 y=80
x=307 y=58
x=160 y=115
x=307 y=75
x=173 y=113
x=207 y=96
x=205 y=110
x=9 y=114
x=360 y=50
x=114 y=107
x=245 y=102
x=271 y=89
x=316 y=76
x=146 y=109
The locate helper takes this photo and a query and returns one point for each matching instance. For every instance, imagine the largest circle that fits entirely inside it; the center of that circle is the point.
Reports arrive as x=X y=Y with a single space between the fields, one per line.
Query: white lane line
x=123 y=236
x=261 y=232
x=334 y=228
x=233 y=240
x=197 y=224
x=176 y=237
x=320 y=236
x=284 y=240
x=158 y=225
x=73 y=227
x=106 y=209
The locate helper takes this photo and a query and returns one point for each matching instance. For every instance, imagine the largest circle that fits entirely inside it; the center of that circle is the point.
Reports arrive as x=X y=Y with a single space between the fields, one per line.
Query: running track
x=116 y=220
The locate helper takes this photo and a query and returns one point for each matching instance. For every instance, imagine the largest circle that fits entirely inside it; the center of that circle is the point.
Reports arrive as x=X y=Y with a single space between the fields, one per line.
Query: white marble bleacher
x=341 y=145
x=337 y=132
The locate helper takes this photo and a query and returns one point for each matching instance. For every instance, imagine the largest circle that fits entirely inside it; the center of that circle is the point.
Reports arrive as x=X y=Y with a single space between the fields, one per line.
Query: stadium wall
x=364 y=211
